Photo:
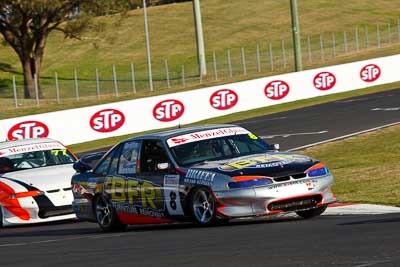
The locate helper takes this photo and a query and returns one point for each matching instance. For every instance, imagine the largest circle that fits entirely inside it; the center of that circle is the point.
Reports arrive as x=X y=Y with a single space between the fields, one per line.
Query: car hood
x=44 y=178
x=271 y=164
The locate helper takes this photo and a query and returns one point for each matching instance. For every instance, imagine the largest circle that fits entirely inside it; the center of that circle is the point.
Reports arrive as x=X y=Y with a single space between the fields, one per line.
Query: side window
x=128 y=158
x=103 y=166
x=152 y=154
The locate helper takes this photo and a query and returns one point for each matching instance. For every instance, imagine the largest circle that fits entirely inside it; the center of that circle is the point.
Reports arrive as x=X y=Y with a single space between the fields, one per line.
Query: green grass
x=366 y=168
x=227 y=25
x=246 y=114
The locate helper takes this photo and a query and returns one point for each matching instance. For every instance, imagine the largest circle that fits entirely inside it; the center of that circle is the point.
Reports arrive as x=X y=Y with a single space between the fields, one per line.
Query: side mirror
x=163 y=166
x=87 y=162
x=81 y=166
x=275 y=147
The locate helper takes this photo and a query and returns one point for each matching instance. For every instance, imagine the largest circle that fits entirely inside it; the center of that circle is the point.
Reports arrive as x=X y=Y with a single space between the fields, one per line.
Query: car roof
x=181 y=131
x=10 y=144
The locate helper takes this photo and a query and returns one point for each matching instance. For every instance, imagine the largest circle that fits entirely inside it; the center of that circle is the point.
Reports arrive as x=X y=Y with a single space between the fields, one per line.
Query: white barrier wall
x=126 y=117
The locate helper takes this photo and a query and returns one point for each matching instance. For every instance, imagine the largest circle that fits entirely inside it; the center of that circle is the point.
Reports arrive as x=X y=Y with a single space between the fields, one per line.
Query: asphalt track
x=352 y=240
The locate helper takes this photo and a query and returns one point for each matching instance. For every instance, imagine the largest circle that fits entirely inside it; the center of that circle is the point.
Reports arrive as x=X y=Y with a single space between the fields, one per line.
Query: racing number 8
x=172 y=202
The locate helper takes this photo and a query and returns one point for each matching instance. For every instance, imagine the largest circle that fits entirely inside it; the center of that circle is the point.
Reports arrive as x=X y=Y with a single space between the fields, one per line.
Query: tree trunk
x=29 y=81
x=31 y=66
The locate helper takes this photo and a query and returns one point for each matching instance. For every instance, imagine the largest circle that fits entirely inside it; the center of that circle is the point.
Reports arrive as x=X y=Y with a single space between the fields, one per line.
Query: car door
x=127 y=168
x=156 y=169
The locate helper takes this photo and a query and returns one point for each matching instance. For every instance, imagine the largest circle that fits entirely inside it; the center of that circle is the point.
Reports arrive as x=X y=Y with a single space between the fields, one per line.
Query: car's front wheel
x=106 y=216
x=306 y=214
x=203 y=206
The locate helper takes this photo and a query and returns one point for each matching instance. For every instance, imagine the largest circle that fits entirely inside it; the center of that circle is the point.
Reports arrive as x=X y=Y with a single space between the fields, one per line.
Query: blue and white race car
x=204 y=174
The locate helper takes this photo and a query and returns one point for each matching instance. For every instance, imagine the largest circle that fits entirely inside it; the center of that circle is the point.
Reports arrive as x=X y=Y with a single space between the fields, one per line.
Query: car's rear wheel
x=202 y=205
x=106 y=216
x=1 y=217
x=306 y=214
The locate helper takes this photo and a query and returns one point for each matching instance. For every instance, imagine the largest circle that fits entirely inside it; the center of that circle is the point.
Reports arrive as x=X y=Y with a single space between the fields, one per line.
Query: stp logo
x=168 y=110
x=324 y=81
x=107 y=120
x=276 y=90
x=28 y=129
x=370 y=73
x=224 y=99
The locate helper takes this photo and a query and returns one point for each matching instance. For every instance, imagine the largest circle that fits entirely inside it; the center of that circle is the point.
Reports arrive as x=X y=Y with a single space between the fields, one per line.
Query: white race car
x=35 y=181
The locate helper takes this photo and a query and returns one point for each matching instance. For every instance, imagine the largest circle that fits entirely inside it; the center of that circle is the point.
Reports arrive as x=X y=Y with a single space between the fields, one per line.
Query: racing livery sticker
x=224 y=99
x=107 y=120
x=31 y=148
x=13 y=205
x=276 y=90
x=324 y=81
x=310 y=184
x=200 y=177
x=204 y=135
x=168 y=110
x=135 y=196
x=370 y=73
x=264 y=161
x=27 y=130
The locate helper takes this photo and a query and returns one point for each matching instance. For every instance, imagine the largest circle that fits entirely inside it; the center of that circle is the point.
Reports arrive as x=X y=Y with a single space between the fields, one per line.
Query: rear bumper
x=83 y=209
x=293 y=195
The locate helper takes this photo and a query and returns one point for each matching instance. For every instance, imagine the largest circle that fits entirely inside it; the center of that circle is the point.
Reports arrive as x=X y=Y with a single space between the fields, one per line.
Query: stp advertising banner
x=150 y=113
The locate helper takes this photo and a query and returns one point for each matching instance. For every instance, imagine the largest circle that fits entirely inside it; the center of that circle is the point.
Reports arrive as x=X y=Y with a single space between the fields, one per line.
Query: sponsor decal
x=370 y=73
x=179 y=140
x=277 y=90
x=264 y=161
x=324 y=81
x=168 y=110
x=171 y=180
x=224 y=99
x=135 y=196
x=27 y=130
x=57 y=147
x=307 y=183
x=107 y=120
x=204 y=135
x=127 y=208
x=200 y=177
x=310 y=185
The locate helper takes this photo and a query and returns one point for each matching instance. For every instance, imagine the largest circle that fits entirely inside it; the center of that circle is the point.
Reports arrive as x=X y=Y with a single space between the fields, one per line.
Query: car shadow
x=78 y=228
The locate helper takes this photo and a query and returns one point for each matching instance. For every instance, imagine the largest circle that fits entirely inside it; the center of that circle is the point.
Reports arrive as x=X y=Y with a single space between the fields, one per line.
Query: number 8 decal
x=171 y=195
x=172 y=202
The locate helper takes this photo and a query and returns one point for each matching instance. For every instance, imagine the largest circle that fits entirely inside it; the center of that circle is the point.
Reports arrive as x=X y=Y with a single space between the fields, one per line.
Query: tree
x=26 y=24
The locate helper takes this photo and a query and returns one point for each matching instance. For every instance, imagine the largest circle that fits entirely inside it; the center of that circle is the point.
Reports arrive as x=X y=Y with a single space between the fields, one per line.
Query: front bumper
x=257 y=201
x=27 y=210
x=9 y=219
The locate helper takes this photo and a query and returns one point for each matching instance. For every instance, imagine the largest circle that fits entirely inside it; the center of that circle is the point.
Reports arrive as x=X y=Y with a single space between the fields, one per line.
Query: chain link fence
x=259 y=59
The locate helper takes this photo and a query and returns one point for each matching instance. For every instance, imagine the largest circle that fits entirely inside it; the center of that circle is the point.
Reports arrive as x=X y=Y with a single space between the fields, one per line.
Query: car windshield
x=218 y=149
x=35 y=159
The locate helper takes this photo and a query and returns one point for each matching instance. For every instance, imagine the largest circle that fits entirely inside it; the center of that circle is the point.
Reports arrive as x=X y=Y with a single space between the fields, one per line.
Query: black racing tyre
x=106 y=216
x=306 y=214
x=203 y=206
x=1 y=217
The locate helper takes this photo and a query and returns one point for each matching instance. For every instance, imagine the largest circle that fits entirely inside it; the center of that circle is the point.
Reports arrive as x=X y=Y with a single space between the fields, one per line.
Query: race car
x=206 y=174
x=35 y=181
